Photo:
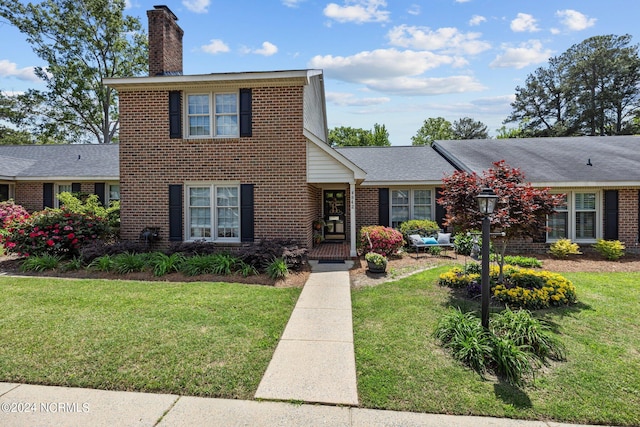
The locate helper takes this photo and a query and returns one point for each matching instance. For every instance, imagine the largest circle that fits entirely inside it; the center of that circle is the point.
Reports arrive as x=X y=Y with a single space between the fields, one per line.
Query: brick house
x=32 y=175
x=229 y=158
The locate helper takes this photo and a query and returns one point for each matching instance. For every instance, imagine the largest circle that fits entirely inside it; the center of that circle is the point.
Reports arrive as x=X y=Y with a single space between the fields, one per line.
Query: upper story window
x=576 y=218
x=211 y=115
x=410 y=204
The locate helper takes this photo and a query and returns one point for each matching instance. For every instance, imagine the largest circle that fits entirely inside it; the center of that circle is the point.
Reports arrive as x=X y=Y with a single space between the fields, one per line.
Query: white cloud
x=292 y=3
x=395 y=72
x=197 y=6
x=349 y=100
x=358 y=11
x=524 y=23
x=414 y=10
x=574 y=20
x=527 y=53
x=267 y=49
x=477 y=20
x=413 y=86
x=379 y=64
x=446 y=39
x=10 y=69
x=215 y=46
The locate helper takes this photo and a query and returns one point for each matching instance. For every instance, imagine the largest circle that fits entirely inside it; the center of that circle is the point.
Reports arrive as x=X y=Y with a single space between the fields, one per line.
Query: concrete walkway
x=33 y=405
x=314 y=360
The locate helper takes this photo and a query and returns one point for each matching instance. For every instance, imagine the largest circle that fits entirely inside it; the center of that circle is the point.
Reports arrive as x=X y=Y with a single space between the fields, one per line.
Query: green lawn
x=402 y=367
x=203 y=339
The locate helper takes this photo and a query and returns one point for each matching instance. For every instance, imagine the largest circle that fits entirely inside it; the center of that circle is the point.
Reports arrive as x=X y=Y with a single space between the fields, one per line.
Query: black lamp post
x=486 y=203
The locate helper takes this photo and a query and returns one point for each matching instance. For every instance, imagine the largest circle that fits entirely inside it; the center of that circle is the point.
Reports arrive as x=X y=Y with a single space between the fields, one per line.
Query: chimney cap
x=164 y=7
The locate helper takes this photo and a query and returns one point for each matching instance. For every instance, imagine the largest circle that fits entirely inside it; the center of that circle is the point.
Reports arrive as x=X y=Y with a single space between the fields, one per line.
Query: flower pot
x=374 y=268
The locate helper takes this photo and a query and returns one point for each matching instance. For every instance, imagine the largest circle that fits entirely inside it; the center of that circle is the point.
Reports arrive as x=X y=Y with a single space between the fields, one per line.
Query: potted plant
x=317 y=238
x=376 y=263
x=318 y=224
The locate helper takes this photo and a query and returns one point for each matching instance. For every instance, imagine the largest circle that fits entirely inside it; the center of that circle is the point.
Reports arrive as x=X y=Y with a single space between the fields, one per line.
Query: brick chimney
x=165 y=42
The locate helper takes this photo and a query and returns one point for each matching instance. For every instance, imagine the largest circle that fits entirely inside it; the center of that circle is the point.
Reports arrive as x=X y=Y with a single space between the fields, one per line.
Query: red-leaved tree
x=521 y=210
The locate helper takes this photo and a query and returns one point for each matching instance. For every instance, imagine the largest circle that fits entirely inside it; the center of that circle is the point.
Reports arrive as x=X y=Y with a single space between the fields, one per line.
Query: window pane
x=4 y=192
x=422 y=197
x=199 y=196
x=585 y=201
x=226 y=125
x=400 y=197
x=198 y=104
x=64 y=188
x=421 y=212
x=227 y=196
x=558 y=225
x=199 y=125
x=228 y=222
x=585 y=225
x=114 y=192
x=399 y=214
x=226 y=103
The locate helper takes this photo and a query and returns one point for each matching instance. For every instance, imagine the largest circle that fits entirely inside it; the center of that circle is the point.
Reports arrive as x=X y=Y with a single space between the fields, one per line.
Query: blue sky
x=395 y=63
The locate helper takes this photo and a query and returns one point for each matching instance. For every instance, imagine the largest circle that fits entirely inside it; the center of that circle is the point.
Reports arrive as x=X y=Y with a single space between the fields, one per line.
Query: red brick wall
x=628 y=218
x=273 y=159
x=366 y=207
x=165 y=43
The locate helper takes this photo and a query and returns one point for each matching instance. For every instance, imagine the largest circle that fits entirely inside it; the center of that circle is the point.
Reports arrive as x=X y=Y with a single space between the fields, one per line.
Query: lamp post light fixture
x=486 y=203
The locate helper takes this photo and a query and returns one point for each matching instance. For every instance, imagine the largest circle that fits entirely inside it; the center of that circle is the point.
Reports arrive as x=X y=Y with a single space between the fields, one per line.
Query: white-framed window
x=577 y=218
x=213 y=212
x=211 y=115
x=7 y=191
x=61 y=188
x=409 y=204
x=113 y=193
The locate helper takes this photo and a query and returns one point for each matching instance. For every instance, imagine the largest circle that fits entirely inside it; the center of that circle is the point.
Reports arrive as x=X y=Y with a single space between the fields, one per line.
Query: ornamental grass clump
x=514 y=347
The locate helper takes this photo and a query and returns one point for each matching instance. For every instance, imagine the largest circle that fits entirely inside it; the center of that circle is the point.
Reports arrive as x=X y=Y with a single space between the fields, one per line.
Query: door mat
x=331 y=261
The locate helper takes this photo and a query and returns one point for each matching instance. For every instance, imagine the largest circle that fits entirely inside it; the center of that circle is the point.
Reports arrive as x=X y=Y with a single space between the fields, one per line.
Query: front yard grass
x=200 y=339
x=402 y=367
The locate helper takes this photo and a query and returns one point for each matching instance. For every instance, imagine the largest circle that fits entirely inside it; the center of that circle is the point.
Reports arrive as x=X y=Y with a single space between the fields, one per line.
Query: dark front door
x=334 y=215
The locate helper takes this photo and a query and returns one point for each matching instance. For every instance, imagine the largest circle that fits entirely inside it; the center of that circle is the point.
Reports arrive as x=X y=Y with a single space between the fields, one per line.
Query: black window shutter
x=611 y=214
x=47 y=195
x=175 y=213
x=383 y=207
x=246 y=213
x=175 y=116
x=76 y=187
x=245 y=113
x=99 y=190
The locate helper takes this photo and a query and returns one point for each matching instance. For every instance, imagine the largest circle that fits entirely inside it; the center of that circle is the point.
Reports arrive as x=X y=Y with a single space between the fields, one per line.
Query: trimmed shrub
x=90 y=205
x=423 y=227
x=522 y=261
x=544 y=289
x=261 y=255
x=563 y=248
x=383 y=240
x=611 y=250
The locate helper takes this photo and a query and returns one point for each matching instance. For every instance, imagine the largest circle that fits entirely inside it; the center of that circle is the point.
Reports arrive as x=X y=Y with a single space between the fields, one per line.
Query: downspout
x=352 y=219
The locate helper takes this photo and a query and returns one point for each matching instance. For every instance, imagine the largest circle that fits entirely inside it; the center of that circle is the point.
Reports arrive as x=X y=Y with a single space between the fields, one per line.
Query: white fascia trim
x=210 y=78
x=69 y=178
x=588 y=184
x=401 y=184
x=358 y=173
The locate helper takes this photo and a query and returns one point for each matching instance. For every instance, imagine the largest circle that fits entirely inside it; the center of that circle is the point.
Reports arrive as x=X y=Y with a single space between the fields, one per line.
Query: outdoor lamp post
x=486 y=203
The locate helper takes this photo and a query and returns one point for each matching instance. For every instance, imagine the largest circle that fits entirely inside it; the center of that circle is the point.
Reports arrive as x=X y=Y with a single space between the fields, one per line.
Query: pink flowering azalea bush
x=10 y=212
x=383 y=240
x=53 y=232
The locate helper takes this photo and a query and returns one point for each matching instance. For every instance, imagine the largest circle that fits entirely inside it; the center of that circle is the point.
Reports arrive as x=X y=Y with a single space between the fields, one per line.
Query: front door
x=334 y=215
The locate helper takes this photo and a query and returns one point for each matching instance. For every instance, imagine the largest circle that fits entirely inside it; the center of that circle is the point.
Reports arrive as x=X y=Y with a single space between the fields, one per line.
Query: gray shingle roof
x=59 y=161
x=405 y=164
x=614 y=159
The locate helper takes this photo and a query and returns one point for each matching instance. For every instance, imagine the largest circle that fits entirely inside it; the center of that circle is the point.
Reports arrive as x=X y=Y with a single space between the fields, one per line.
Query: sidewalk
x=33 y=405
x=314 y=360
